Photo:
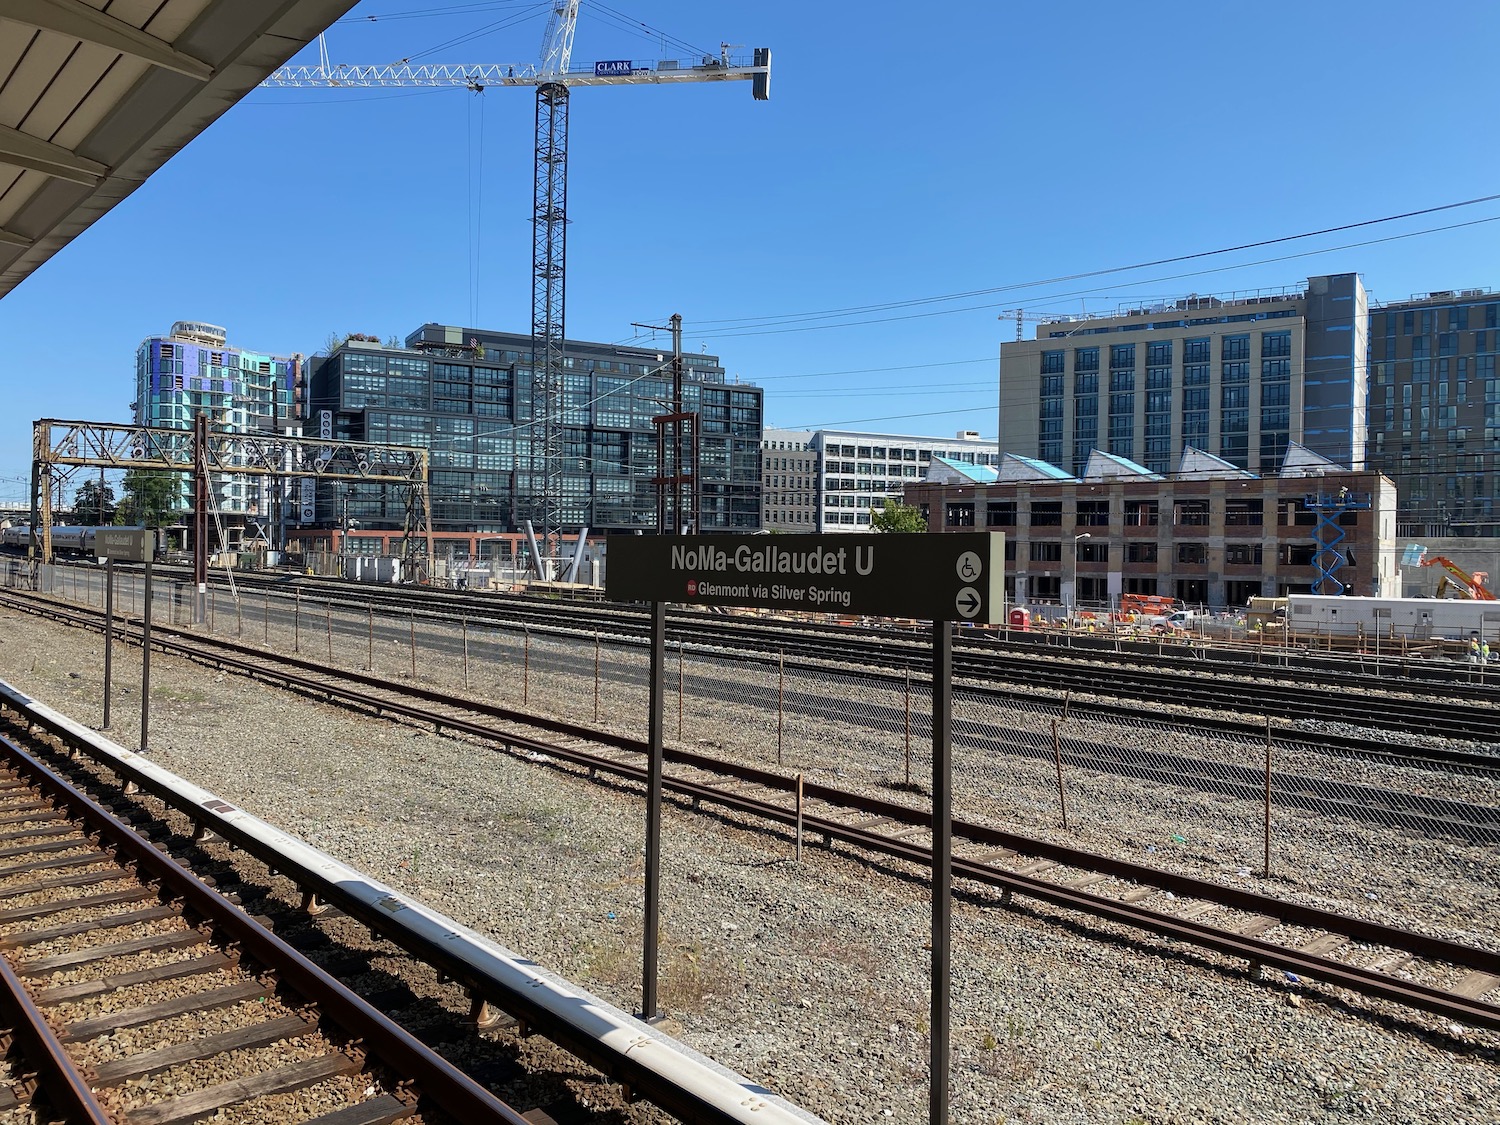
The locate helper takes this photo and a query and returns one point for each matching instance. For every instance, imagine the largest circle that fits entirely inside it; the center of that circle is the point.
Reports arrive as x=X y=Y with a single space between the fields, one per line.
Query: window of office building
x=1121 y=356
x=1234 y=348
x=1046 y=513
x=1046 y=552
x=1275 y=344
x=1000 y=513
x=1093 y=513
x=1191 y=513
x=1140 y=552
x=1052 y=363
x=1192 y=554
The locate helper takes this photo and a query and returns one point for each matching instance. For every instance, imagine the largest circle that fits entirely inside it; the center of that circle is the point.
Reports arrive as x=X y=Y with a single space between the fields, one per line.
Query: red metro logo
x=692 y=587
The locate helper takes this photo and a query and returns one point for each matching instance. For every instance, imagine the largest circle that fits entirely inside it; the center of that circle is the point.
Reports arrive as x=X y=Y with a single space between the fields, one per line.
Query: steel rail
x=613 y=1051
x=1444 y=758
x=442 y=1084
x=1441 y=818
x=63 y=1086
x=1256 y=951
x=1048 y=665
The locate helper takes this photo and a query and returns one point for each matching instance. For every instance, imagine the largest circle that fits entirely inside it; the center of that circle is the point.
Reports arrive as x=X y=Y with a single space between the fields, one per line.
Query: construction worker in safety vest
x=1474 y=651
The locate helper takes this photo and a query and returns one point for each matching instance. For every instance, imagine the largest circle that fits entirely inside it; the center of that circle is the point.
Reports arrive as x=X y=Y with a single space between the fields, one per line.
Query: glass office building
x=466 y=395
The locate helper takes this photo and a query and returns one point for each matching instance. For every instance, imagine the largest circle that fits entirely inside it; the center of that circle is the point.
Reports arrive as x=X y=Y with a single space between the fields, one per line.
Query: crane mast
x=552 y=78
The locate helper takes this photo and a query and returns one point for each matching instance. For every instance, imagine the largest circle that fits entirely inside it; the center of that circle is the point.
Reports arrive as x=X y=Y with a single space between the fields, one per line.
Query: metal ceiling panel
x=95 y=97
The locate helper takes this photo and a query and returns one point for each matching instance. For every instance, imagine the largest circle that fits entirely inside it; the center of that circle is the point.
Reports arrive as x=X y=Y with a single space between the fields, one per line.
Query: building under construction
x=467 y=395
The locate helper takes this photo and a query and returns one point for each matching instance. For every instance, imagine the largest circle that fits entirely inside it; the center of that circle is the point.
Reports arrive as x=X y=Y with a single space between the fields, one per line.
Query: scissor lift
x=1329 y=533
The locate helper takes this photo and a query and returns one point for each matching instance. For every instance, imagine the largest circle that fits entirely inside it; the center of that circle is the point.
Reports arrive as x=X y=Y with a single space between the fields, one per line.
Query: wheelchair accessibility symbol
x=969 y=566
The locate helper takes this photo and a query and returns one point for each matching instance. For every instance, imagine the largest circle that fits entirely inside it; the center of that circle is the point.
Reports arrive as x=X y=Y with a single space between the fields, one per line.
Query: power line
x=732 y=326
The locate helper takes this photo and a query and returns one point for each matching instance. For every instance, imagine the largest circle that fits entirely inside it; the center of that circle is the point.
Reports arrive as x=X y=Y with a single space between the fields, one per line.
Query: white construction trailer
x=1417 y=619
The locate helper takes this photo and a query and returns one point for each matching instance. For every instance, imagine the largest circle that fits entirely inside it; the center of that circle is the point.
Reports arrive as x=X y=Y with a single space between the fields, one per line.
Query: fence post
x=1267 y=856
x=239 y=619
x=781 y=710
x=681 y=688
x=526 y=666
x=328 y=624
x=908 y=727
x=1067 y=702
x=799 y=818
x=266 y=621
x=297 y=623
x=1062 y=797
x=212 y=600
x=370 y=633
x=466 y=654
x=412 y=621
x=596 y=675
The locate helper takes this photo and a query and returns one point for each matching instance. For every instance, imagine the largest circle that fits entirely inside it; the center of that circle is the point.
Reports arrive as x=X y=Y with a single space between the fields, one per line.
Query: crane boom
x=552 y=77
x=658 y=72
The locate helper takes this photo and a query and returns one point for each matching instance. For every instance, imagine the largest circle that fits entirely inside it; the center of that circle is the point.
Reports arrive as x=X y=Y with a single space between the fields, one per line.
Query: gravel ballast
x=812 y=977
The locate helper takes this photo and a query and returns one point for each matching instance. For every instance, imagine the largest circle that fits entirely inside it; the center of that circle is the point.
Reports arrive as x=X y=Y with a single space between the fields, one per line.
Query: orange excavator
x=1459 y=580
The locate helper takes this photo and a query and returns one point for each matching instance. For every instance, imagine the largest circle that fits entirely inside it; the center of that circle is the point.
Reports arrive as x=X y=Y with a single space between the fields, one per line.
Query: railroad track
x=1338 y=692
x=1458 y=982
x=143 y=997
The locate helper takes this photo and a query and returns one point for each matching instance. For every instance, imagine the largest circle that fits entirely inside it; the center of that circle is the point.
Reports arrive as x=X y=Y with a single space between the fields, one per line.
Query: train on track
x=68 y=540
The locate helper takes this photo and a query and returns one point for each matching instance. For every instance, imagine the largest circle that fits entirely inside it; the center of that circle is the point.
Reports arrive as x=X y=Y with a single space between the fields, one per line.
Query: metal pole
x=908 y=728
x=649 y=1008
x=780 y=700
x=799 y=818
x=370 y=634
x=212 y=603
x=297 y=623
x=1062 y=798
x=239 y=618
x=328 y=624
x=526 y=666
x=466 y=668
x=942 y=865
x=1267 y=857
x=596 y=675
x=109 y=629
x=412 y=621
x=146 y=663
x=266 y=621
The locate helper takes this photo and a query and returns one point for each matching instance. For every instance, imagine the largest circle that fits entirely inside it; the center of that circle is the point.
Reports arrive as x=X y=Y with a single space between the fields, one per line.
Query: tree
x=898 y=517
x=94 y=503
x=148 y=497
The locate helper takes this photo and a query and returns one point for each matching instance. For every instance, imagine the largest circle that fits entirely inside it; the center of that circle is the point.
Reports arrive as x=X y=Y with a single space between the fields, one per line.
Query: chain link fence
x=1275 y=810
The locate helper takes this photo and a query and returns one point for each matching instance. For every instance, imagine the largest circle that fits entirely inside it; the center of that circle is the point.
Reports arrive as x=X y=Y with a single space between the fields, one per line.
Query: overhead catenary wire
x=745 y=325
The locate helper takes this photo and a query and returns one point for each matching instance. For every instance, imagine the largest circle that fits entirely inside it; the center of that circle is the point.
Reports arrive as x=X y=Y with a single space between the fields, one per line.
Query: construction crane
x=1466 y=585
x=553 y=78
x=1021 y=316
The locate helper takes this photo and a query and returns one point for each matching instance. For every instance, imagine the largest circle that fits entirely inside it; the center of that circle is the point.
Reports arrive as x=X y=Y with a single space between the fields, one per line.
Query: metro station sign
x=933 y=577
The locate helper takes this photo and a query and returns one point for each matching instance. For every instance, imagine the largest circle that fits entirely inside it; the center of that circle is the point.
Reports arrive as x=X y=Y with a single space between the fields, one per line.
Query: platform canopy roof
x=96 y=96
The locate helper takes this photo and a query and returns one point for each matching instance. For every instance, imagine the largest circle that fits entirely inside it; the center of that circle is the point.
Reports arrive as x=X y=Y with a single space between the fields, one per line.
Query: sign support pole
x=146 y=662
x=109 y=629
x=942 y=864
x=649 y=1010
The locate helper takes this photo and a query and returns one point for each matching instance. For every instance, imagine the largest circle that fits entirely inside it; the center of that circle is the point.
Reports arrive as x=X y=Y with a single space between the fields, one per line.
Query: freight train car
x=1412 y=618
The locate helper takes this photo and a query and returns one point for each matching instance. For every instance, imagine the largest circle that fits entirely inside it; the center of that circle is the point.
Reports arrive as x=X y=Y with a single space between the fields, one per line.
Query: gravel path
x=810 y=977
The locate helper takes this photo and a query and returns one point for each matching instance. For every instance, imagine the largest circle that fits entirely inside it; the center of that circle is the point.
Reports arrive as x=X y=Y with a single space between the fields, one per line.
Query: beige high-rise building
x=1239 y=376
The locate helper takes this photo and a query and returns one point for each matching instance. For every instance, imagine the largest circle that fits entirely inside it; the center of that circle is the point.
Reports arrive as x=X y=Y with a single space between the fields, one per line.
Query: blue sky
x=906 y=155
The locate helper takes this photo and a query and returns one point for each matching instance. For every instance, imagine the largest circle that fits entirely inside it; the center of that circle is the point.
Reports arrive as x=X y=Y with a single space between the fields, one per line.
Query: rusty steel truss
x=58 y=444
